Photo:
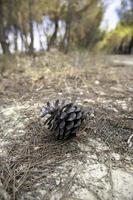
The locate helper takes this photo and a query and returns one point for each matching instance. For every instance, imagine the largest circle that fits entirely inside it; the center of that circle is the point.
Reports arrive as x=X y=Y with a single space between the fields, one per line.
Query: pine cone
x=64 y=120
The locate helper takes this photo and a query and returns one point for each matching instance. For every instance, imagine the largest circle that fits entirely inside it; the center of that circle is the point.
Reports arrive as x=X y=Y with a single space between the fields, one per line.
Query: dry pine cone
x=64 y=120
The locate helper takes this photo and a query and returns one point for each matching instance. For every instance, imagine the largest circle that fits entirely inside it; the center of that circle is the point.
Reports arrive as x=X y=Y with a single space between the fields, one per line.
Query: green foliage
x=85 y=28
x=120 y=40
x=116 y=39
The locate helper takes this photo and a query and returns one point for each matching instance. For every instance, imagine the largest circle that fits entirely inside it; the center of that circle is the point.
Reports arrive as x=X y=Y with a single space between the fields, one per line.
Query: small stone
x=57 y=181
x=116 y=156
x=60 y=93
x=97 y=82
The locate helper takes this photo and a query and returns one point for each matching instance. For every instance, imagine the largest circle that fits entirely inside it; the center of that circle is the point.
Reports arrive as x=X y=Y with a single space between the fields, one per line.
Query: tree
x=86 y=29
x=77 y=16
x=4 y=27
x=31 y=46
x=81 y=20
x=82 y=23
x=126 y=12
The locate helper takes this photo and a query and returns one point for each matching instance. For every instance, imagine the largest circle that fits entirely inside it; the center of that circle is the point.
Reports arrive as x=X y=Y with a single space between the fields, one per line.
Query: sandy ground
x=98 y=163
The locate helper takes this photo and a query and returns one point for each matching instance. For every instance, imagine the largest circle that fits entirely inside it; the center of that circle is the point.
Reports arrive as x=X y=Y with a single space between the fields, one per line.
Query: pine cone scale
x=63 y=115
x=71 y=117
x=79 y=115
x=78 y=123
x=70 y=125
x=62 y=124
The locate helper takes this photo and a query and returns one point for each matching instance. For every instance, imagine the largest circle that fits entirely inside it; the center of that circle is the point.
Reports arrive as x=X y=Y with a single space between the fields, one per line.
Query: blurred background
x=37 y=25
x=79 y=51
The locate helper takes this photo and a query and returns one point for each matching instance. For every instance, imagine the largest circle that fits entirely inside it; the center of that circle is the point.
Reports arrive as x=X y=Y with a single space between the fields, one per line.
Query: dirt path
x=98 y=163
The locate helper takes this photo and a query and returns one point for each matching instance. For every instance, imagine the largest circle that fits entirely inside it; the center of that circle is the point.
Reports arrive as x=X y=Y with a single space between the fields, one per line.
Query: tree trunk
x=54 y=36
x=3 y=32
x=22 y=40
x=3 y=41
x=25 y=42
x=66 y=39
x=15 y=38
x=130 y=46
x=31 y=46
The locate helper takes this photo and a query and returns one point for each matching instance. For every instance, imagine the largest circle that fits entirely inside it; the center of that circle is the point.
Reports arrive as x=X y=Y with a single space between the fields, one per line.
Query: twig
x=129 y=142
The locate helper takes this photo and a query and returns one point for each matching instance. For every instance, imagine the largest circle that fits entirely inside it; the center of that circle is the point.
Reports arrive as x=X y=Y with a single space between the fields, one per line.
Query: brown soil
x=29 y=153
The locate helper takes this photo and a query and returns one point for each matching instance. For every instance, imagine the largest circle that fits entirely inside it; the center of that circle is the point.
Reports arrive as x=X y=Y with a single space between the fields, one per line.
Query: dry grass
x=32 y=157
x=98 y=86
x=36 y=154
